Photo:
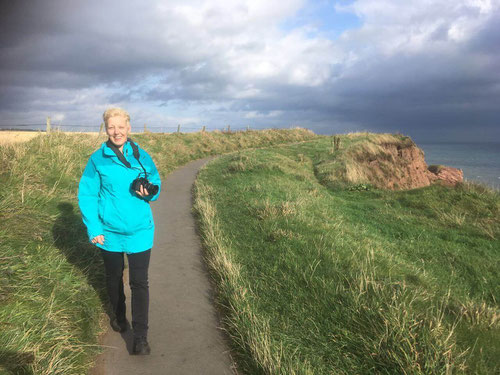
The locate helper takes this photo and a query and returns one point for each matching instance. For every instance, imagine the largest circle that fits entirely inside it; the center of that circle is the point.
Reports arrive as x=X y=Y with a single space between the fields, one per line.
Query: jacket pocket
x=127 y=216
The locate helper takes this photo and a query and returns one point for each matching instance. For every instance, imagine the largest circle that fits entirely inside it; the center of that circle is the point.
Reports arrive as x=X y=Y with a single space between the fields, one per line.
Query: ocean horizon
x=480 y=161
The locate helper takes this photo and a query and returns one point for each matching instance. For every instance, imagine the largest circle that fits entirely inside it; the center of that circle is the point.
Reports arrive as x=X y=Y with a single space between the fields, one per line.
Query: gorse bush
x=51 y=279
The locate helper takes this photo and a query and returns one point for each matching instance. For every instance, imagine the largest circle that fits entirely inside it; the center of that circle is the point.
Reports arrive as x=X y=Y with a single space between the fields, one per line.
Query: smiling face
x=117 y=130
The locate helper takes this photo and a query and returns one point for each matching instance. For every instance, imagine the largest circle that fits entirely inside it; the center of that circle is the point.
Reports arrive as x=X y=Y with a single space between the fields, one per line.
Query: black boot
x=118 y=325
x=141 y=346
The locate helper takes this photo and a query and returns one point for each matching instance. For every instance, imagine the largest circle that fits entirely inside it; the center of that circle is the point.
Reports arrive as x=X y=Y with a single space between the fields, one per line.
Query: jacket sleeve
x=88 y=199
x=153 y=177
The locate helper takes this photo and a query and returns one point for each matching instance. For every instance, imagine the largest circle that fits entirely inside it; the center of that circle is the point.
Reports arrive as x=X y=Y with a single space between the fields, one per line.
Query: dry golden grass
x=377 y=138
x=16 y=136
x=381 y=160
x=8 y=137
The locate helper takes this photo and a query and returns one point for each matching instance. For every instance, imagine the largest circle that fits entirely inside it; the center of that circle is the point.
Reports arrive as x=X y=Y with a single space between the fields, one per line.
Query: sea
x=480 y=162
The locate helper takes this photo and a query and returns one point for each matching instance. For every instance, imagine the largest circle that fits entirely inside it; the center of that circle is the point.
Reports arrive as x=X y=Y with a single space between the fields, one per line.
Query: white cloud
x=58 y=117
x=206 y=60
x=391 y=26
x=255 y=114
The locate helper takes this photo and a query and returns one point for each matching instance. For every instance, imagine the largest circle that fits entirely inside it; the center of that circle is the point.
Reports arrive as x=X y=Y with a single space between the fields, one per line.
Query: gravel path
x=183 y=326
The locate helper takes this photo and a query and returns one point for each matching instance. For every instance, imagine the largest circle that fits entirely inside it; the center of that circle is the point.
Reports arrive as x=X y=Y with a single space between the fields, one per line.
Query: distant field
x=16 y=136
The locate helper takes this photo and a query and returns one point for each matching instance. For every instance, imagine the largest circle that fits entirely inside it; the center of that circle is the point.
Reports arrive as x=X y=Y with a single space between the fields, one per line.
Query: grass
x=370 y=159
x=52 y=301
x=435 y=168
x=317 y=278
x=13 y=136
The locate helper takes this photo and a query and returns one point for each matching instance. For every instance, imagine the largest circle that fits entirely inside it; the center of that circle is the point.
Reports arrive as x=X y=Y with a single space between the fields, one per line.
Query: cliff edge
x=386 y=161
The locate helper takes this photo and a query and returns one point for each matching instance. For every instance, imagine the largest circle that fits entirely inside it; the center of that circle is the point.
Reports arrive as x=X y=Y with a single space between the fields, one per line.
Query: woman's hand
x=98 y=239
x=143 y=192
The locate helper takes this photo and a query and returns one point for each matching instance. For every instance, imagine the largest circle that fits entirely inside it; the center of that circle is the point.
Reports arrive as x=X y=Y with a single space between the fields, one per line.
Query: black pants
x=138 y=265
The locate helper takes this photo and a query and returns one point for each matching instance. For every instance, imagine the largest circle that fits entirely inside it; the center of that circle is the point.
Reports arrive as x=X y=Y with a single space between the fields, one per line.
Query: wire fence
x=48 y=126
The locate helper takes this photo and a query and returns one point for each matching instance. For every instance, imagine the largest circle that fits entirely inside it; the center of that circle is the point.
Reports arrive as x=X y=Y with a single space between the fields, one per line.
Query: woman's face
x=117 y=130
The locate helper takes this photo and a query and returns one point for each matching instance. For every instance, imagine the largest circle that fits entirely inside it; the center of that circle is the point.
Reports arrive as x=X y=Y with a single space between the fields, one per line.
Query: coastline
x=480 y=161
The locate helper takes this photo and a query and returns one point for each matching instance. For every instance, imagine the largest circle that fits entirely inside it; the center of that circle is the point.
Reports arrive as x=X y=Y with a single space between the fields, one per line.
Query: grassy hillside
x=51 y=281
x=320 y=274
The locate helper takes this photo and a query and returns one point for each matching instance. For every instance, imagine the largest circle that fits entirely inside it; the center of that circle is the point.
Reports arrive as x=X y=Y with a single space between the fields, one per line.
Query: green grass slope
x=317 y=277
x=51 y=279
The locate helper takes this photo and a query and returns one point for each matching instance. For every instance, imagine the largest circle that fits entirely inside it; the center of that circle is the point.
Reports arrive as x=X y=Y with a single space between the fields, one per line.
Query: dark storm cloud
x=198 y=83
x=102 y=42
x=487 y=39
x=55 y=52
x=224 y=63
x=449 y=94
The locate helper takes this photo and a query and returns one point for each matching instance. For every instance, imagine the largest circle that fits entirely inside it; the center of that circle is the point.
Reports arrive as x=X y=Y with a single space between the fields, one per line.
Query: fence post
x=229 y=128
x=335 y=143
x=203 y=129
x=48 y=125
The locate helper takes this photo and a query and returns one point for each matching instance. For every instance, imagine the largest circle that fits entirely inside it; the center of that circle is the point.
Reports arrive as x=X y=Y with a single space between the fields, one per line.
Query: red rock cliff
x=402 y=166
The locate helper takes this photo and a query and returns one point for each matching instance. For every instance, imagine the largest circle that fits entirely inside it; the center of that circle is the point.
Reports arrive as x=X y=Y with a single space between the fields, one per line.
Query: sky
x=429 y=69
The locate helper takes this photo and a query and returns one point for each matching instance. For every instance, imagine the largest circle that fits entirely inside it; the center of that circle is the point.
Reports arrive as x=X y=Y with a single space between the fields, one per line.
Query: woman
x=115 y=209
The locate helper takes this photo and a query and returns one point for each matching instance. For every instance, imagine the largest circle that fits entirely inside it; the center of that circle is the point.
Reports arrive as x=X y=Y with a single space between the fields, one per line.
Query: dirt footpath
x=184 y=331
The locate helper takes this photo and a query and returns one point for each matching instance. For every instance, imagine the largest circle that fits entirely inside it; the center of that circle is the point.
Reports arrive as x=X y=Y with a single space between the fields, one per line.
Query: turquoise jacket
x=110 y=207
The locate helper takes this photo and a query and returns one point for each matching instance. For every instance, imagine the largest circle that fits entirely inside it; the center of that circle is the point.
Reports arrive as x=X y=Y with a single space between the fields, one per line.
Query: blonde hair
x=111 y=112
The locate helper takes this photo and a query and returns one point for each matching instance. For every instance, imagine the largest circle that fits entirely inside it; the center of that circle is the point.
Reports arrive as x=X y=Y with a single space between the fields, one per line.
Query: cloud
x=406 y=66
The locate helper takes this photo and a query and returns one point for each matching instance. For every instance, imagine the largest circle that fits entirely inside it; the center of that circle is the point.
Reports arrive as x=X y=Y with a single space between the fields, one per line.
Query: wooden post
x=203 y=129
x=336 y=143
x=229 y=128
x=48 y=125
